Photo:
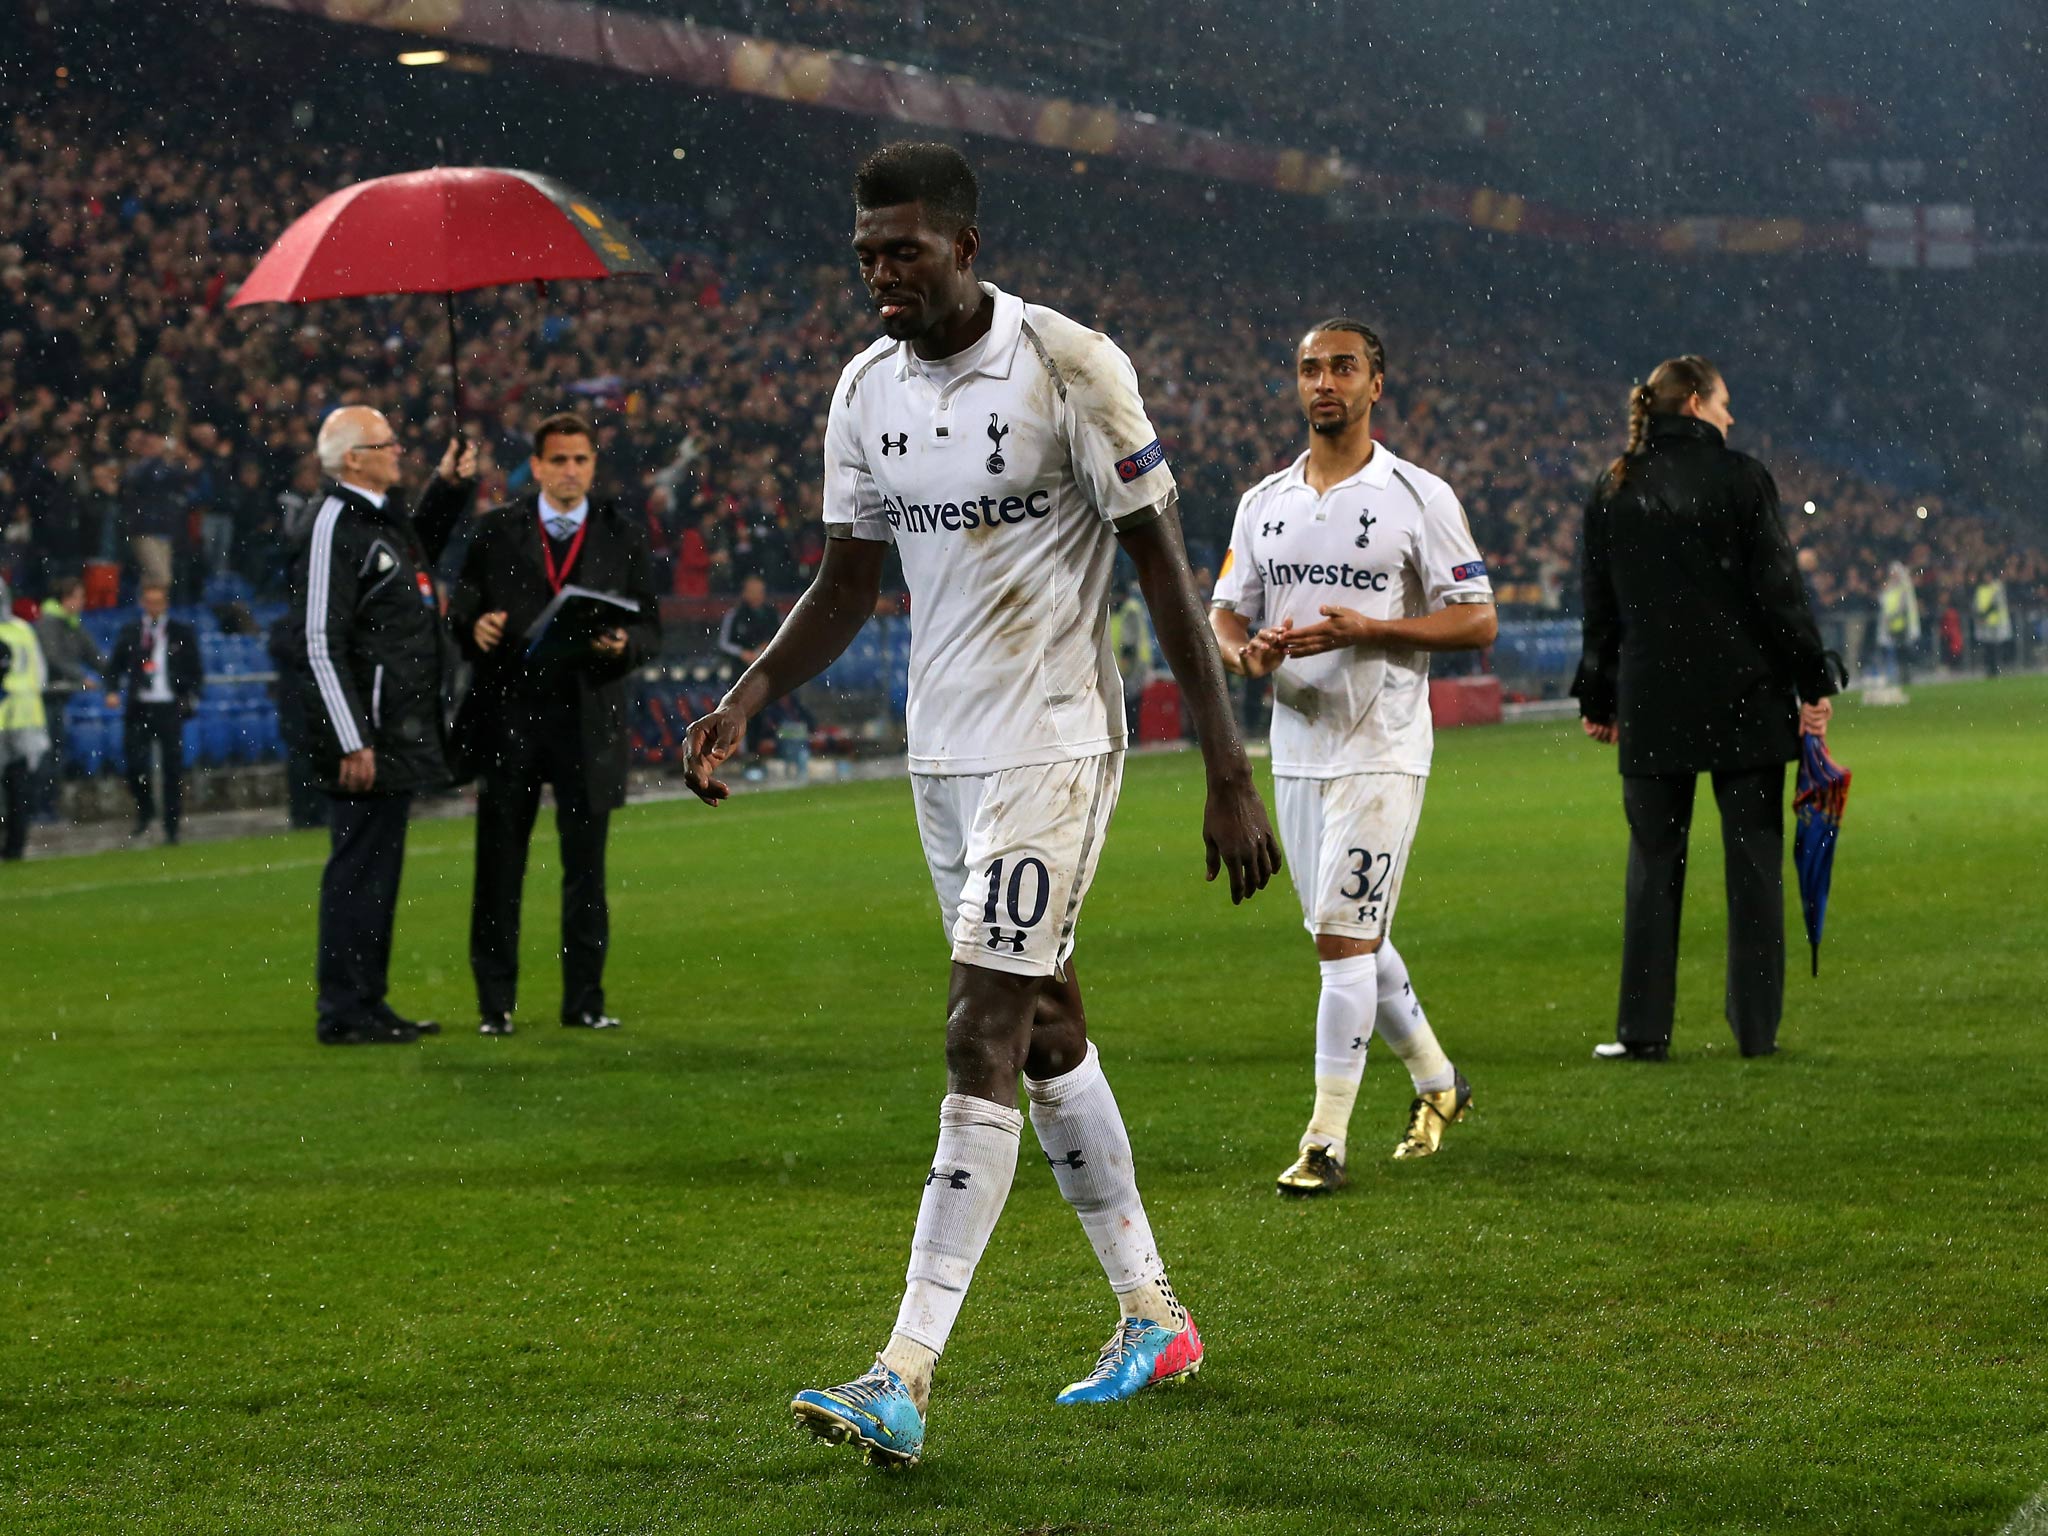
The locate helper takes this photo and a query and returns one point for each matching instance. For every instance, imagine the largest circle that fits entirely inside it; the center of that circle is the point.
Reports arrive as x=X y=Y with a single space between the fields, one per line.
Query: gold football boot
x=1315 y=1172
x=1431 y=1115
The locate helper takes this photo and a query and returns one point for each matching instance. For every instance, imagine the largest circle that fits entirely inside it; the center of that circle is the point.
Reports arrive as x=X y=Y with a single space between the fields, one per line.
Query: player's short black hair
x=937 y=176
x=1374 y=351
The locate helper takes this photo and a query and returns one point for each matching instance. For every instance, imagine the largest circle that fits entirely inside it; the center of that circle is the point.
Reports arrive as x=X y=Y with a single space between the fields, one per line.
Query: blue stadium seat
x=86 y=746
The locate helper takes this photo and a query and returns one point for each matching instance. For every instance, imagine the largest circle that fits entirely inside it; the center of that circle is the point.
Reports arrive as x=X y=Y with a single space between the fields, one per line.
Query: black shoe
x=591 y=1021
x=368 y=1032
x=495 y=1024
x=419 y=1026
x=1631 y=1050
x=171 y=837
x=1762 y=1050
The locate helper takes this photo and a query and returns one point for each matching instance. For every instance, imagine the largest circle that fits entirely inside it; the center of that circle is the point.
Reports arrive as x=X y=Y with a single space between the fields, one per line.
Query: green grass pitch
x=567 y=1283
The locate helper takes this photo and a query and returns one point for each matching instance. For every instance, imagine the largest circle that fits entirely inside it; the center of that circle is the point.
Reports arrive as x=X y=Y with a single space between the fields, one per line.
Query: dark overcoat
x=1698 y=643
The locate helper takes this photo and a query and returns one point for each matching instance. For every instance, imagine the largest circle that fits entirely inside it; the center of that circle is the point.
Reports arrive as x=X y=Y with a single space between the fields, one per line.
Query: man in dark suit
x=1700 y=656
x=370 y=660
x=156 y=660
x=558 y=722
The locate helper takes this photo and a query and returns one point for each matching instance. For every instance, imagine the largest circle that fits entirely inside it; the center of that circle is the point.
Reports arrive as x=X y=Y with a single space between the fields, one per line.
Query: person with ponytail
x=1700 y=655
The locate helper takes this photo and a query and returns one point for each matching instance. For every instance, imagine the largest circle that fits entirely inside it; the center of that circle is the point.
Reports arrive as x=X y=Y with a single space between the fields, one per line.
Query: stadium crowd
x=142 y=422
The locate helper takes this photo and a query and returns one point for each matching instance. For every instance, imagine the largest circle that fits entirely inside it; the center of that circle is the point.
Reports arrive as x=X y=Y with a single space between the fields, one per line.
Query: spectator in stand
x=23 y=739
x=157 y=662
x=71 y=657
x=212 y=492
x=58 y=513
x=102 y=512
x=155 y=489
x=255 y=524
x=693 y=558
x=749 y=624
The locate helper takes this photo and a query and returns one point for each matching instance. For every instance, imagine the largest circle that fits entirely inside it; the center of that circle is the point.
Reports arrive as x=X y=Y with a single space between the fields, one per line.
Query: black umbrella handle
x=454 y=377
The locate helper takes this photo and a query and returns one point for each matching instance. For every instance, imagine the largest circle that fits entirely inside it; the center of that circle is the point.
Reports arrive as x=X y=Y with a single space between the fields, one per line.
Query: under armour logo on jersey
x=900 y=443
x=996 y=433
x=1271 y=530
x=997 y=939
x=1073 y=1159
x=957 y=1179
x=1365 y=522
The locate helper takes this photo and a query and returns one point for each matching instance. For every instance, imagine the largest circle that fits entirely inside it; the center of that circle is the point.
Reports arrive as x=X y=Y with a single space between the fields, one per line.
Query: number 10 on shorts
x=1026 y=894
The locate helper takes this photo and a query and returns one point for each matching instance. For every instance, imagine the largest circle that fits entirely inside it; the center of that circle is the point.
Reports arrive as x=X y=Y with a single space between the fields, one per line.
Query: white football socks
x=1406 y=1031
x=1082 y=1134
x=1344 y=1018
x=963 y=1195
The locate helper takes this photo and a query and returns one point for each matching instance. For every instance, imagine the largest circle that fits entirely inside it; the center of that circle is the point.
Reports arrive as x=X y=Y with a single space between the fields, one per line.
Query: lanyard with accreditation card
x=556 y=578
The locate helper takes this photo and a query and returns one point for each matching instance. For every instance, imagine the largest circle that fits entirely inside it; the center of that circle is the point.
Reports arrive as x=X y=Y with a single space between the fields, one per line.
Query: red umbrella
x=444 y=231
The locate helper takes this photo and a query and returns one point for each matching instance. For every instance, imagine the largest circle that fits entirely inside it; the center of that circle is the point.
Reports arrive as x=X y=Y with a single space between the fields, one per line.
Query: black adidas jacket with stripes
x=370 y=657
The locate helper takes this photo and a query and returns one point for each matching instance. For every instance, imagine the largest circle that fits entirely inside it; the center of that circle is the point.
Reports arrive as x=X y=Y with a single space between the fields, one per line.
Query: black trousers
x=506 y=808
x=161 y=726
x=15 y=811
x=1659 y=810
x=358 y=900
x=46 y=785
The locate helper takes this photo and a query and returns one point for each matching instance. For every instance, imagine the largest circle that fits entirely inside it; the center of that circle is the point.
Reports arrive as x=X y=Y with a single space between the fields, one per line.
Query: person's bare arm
x=1454 y=627
x=819 y=628
x=1235 y=831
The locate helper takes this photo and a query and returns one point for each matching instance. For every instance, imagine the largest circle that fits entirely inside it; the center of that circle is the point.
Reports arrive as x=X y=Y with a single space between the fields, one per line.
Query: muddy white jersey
x=1001 y=483
x=1390 y=542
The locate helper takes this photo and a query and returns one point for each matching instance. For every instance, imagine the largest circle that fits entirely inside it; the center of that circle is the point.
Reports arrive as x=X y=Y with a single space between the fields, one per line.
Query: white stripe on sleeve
x=324 y=673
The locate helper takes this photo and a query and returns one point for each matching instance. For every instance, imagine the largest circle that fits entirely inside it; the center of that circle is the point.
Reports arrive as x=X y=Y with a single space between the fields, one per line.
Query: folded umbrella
x=1818 y=801
x=446 y=231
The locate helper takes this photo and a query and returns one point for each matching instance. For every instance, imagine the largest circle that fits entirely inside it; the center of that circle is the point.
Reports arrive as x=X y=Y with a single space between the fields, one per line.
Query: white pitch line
x=89 y=887
x=2032 y=1519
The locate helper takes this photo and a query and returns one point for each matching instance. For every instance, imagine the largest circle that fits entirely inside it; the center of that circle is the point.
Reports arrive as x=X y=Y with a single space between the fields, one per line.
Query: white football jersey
x=1390 y=542
x=1000 y=482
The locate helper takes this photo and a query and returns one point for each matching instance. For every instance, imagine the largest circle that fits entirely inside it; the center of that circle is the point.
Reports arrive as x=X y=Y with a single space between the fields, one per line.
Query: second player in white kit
x=1344 y=571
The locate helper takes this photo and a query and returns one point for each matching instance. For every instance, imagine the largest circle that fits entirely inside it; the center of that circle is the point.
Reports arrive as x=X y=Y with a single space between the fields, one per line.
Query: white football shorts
x=1347 y=842
x=1013 y=853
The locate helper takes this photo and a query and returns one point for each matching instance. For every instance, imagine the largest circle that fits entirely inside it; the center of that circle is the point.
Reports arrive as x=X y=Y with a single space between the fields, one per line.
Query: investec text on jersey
x=1277 y=573
x=978 y=512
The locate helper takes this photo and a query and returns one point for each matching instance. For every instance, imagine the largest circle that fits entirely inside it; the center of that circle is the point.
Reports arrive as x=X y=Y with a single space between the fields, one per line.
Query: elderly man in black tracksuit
x=1700 y=656
x=370 y=660
x=558 y=722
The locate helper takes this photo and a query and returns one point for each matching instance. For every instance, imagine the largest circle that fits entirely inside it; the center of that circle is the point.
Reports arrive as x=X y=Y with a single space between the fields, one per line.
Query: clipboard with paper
x=576 y=616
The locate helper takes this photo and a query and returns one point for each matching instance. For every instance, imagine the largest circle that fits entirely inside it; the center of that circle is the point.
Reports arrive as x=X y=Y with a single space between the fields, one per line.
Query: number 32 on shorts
x=1367 y=881
x=1026 y=894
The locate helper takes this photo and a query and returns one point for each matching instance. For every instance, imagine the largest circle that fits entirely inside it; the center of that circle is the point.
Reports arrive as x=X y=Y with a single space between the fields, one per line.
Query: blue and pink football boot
x=1139 y=1354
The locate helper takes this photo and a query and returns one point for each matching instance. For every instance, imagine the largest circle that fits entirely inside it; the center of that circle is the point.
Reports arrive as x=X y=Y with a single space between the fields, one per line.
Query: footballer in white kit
x=1345 y=571
x=1004 y=451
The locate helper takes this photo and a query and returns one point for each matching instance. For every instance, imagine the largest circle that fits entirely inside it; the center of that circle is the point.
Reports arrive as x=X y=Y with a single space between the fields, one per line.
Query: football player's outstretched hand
x=706 y=746
x=1238 y=837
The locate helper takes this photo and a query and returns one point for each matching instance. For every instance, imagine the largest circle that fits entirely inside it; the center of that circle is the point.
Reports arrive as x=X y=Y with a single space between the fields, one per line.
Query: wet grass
x=567 y=1283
